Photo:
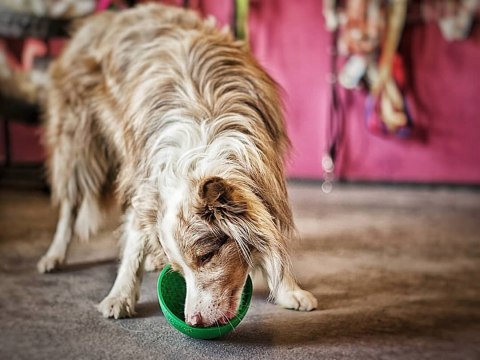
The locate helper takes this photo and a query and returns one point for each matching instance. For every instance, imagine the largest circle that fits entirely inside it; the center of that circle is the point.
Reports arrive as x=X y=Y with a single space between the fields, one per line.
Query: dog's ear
x=219 y=198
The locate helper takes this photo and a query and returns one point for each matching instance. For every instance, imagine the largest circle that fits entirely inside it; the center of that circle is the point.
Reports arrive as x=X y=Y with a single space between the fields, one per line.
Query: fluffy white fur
x=180 y=123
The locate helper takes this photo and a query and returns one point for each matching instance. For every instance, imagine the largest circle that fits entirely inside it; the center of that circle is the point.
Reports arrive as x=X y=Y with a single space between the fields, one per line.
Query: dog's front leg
x=284 y=289
x=291 y=296
x=121 y=300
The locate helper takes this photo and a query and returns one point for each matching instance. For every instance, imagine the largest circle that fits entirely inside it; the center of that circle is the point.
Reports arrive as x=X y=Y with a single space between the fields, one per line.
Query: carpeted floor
x=396 y=272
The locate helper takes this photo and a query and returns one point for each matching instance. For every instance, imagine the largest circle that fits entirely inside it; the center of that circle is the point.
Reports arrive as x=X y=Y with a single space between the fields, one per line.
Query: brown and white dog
x=179 y=121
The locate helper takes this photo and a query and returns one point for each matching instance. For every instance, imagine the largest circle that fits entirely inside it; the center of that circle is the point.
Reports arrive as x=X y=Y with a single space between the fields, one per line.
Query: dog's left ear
x=219 y=198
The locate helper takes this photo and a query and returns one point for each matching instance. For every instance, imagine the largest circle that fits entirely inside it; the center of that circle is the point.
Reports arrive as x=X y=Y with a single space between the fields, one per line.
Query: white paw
x=117 y=307
x=297 y=299
x=49 y=263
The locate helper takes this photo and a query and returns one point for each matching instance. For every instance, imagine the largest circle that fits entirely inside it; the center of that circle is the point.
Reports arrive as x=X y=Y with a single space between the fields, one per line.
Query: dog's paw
x=49 y=263
x=117 y=307
x=297 y=299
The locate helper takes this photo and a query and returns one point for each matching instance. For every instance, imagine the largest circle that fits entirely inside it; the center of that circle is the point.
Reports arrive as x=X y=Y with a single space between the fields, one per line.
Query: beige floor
x=396 y=272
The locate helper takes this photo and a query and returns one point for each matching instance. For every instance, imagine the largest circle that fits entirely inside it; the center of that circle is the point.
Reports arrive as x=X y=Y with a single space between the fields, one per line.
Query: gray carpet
x=396 y=272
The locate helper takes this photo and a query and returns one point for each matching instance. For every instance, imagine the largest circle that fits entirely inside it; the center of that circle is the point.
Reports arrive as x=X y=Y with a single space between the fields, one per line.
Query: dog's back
x=126 y=74
x=108 y=59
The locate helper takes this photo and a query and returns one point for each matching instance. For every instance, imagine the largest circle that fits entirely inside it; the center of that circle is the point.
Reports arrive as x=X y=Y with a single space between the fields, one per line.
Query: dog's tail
x=27 y=86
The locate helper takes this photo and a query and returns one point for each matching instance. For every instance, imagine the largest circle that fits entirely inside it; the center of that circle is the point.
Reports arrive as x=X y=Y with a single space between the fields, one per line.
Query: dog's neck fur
x=228 y=125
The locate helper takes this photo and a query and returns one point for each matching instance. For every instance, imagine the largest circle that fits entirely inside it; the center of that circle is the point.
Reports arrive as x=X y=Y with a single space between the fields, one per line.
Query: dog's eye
x=202 y=260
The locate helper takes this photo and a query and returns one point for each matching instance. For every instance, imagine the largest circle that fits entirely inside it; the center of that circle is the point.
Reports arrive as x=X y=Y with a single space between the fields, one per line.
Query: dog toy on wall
x=369 y=33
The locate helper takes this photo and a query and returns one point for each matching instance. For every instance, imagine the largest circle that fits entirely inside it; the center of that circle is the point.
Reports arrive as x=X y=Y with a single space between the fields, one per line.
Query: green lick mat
x=172 y=290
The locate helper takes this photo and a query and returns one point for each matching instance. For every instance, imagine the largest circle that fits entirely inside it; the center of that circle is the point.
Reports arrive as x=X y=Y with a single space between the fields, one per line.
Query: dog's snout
x=195 y=319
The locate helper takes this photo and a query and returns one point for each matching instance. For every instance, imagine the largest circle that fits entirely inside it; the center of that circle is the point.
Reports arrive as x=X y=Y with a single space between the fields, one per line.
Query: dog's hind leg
x=79 y=217
x=79 y=168
x=55 y=256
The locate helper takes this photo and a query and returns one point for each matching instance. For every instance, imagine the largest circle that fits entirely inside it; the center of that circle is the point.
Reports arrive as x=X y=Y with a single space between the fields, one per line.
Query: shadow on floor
x=404 y=319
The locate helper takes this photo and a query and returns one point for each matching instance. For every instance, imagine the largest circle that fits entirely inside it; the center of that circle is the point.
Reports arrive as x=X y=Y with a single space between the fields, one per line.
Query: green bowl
x=172 y=290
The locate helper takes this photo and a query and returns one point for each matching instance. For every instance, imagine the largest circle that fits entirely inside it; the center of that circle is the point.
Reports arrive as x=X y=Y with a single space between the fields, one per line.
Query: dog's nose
x=195 y=319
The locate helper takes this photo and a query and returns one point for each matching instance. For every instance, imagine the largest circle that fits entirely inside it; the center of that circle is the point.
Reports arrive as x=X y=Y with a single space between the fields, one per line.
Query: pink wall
x=289 y=39
x=444 y=89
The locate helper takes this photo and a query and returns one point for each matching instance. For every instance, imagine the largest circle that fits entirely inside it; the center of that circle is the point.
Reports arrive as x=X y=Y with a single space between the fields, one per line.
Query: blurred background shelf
x=21 y=25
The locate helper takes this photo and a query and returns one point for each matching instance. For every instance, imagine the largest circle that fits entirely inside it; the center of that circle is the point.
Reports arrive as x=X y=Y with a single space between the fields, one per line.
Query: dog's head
x=207 y=234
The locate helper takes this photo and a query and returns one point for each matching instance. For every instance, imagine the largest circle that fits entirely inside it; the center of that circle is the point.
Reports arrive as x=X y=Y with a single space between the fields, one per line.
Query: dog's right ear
x=219 y=199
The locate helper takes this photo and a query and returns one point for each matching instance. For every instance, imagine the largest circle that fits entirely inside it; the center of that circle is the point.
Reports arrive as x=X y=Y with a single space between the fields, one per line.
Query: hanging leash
x=336 y=119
